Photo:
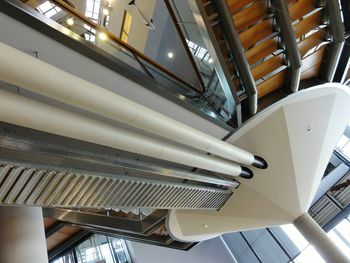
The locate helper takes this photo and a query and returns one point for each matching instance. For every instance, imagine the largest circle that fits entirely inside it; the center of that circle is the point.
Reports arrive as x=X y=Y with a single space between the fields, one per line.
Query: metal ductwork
x=43 y=117
x=42 y=169
x=47 y=80
x=337 y=34
x=288 y=38
x=238 y=54
x=32 y=186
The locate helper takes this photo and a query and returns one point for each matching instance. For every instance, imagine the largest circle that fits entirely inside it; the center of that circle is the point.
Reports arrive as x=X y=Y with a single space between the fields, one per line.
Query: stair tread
x=302 y=8
x=262 y=50
x=236 y=5
x=250 y=15
x=310 y=42
x=267 y=67
x=256 y=33
x=313 y=59
x=307 y=24
x=311 y=72
x=271 y=84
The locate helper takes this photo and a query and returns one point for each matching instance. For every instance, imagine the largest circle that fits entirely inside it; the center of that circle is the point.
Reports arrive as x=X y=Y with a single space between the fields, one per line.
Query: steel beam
x=344 y=61
x=239 y=57
x=53 y=228
x=101 y=221
x=343 y=64
x=337 y=34
x=68 y=244
x=290 y=44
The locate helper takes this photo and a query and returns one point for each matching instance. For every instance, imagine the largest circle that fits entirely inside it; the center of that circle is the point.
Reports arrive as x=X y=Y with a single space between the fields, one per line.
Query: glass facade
x=97 y=249
x=283 y=244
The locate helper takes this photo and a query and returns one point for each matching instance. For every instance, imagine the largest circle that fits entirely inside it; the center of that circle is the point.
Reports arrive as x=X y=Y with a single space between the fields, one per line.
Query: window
x=343 y=145
x=67 y=258
x=124 y=35
x=198 y=51
x=92 y=11
x=295 y=236
x=308 y=255
x=99 y=249
x=48 y=9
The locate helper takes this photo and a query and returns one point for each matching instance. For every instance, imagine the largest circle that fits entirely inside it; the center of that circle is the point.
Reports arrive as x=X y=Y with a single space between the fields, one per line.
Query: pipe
x=291 y=47
x=332 y=60
x=47 y=80
x=22 y=111
x=238 y=55
x=343 y=63
x=337 y=33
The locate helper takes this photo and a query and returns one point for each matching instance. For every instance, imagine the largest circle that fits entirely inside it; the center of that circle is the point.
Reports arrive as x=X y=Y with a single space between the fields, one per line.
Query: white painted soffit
x=296 y=136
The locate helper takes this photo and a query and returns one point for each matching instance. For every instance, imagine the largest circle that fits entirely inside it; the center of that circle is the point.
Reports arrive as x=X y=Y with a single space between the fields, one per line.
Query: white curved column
x=22 y=235
x=319 y=239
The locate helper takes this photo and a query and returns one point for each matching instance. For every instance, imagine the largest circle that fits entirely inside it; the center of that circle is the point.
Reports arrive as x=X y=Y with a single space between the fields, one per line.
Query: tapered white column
x=319 y=239
x=22 y=235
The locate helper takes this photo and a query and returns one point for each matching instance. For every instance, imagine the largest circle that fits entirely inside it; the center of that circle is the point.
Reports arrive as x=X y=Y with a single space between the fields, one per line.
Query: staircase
x=265 y=47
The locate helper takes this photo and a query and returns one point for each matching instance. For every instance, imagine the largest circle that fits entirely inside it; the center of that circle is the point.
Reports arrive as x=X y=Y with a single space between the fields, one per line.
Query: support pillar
x=22 y=235
x=319 y=239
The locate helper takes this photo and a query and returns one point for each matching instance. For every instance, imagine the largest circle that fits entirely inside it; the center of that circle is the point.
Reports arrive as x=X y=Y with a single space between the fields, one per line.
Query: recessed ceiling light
x=70 y=21
x=102 y=36
x=210 y=60
x=105 y=11
x=170 y=55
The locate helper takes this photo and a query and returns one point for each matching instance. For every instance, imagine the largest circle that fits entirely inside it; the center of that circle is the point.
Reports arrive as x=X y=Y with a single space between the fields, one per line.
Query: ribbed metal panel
x=21 y=185
x=324 y=211
x=342 y=196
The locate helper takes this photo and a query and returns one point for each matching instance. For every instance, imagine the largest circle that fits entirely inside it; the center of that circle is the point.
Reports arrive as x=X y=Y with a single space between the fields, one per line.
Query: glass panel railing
x=219 y=97
x=77 y=26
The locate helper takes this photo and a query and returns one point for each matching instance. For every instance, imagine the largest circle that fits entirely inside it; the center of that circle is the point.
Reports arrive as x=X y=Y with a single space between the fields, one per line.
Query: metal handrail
x=73 y=12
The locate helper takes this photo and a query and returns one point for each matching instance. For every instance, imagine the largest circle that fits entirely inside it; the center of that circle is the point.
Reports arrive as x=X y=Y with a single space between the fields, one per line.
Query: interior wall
x=210 y=251
x=166 y=39
x=79 y=5
x=139 y=31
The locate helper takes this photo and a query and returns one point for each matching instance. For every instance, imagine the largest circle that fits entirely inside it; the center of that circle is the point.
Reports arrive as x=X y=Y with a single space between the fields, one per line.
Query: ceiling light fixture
x=70 y=21
x=105 y=11
x=170 y=55
x=102 y=36
x=210 y=60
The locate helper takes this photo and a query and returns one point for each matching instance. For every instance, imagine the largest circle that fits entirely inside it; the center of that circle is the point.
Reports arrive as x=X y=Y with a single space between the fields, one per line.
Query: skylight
x=48 y=9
